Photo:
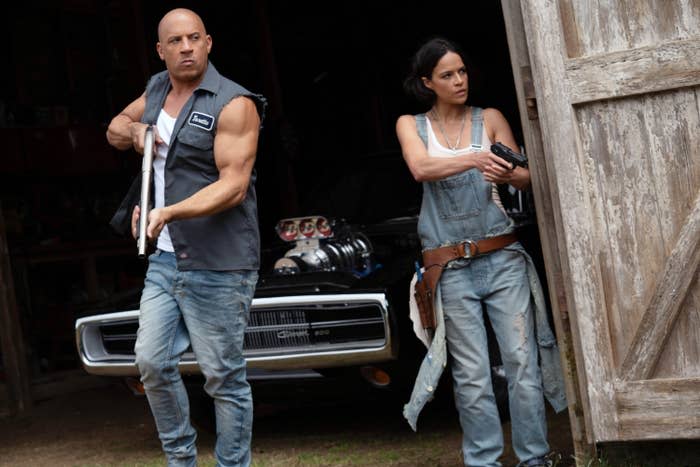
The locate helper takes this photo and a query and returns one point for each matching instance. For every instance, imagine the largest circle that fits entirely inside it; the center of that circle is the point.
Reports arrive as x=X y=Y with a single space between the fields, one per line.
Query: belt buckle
x=468 y=249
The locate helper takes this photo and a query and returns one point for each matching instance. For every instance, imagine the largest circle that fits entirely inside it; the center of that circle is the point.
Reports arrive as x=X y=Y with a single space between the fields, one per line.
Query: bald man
x=201 y=277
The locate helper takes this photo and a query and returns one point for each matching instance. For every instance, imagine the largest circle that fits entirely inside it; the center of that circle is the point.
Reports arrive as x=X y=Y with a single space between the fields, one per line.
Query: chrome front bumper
x=284 y=333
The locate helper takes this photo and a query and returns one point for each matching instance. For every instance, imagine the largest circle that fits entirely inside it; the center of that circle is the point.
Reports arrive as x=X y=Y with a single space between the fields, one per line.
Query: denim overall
x=458 y=208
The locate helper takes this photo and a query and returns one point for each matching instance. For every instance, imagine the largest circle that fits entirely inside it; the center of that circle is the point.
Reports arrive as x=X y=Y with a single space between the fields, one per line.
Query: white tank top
x=435 y=149
x=165 y=126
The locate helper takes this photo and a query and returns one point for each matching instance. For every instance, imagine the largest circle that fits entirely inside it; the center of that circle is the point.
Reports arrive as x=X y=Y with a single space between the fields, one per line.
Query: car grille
x=305 y=326
x=273 y=329
x=119 y=339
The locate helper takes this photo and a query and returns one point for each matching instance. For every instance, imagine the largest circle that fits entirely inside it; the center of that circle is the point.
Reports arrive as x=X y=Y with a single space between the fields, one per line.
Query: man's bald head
x=184 y=46
x=178 y=14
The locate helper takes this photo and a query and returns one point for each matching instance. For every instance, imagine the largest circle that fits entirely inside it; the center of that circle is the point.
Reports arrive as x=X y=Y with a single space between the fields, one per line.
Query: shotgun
x=146 y=170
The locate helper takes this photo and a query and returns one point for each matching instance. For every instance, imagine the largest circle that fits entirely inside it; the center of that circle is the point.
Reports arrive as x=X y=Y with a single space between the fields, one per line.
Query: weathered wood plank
x=607 y=154
x=579 y=256
x=677 y=150
x=665 y=66
x=597 y=27
x=681 y=354
x=670 y=292
x=642 y=162
x=659 y=409
x=543 y=194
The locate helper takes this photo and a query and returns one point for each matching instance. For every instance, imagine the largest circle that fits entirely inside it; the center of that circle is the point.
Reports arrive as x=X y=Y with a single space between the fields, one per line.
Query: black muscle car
x=333 y=291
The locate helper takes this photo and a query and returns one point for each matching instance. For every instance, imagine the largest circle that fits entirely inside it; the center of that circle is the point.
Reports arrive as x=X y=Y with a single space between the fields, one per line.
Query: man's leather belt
x=435 y=260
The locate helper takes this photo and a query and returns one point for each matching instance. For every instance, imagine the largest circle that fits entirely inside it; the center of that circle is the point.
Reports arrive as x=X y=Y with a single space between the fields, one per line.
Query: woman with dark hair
x=472 y=255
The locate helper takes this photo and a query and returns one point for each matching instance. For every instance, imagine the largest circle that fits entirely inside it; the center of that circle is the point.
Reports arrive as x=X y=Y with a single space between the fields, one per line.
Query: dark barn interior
x=332 y=74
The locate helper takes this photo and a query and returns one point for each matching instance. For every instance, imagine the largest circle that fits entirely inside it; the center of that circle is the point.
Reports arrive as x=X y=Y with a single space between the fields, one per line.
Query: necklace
x=442 y=130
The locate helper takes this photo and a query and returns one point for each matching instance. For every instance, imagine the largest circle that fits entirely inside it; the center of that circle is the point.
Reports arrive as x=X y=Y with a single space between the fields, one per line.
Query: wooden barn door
x=617 y=97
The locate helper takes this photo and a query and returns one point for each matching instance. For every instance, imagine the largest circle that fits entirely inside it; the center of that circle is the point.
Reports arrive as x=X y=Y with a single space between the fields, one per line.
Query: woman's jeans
x=499 y=282
x=208 y=310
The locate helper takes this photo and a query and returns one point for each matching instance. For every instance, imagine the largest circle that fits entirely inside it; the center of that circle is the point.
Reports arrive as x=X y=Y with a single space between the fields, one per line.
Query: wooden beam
x=577 y=239
x=659 y=409
x=662 y=311
x=545 y=199
x=11 y=343
x=671 y=65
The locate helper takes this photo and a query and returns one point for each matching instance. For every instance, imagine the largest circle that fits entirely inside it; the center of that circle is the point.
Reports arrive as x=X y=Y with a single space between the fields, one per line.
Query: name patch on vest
x=201 y=120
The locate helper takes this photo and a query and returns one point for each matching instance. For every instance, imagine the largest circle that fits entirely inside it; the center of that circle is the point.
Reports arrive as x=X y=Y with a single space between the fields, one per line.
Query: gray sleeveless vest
x=228 y=240
x=459 y=207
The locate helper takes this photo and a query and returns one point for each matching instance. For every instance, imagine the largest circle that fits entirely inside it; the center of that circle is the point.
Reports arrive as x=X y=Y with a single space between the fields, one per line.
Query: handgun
x=146 y=169
x=507 y=154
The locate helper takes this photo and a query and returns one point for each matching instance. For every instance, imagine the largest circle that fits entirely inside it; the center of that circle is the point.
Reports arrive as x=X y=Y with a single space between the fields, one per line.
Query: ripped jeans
x=499 y=282
x=208 y=310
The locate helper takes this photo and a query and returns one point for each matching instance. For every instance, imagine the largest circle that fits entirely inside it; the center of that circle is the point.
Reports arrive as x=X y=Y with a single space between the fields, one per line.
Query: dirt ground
x=296 y=424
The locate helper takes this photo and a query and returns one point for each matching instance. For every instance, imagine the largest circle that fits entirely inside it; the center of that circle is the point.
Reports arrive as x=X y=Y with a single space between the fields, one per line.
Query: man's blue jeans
x=499 y=282
x=208 y=310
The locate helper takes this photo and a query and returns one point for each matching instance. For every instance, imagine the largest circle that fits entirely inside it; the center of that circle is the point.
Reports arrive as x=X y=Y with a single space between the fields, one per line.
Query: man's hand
x=135 y=222
x=157 y=219
x=137 y=131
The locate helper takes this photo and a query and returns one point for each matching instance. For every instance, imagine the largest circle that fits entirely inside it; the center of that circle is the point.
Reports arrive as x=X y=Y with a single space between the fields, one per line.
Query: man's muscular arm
x=126 y=130
x=235 y=148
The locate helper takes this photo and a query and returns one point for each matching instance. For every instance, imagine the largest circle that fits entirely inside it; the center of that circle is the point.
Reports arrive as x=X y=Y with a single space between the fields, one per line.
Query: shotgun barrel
x=145 y=205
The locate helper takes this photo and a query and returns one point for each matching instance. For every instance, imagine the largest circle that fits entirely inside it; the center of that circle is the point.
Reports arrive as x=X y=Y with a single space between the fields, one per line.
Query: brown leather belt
x=435 y=260
x=467 y=249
